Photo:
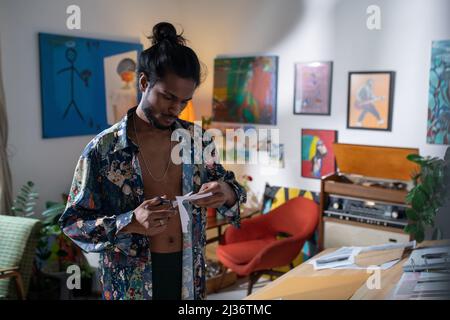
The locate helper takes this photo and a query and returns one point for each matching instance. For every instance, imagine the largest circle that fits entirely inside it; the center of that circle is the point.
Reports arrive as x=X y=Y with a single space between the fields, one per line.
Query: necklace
x=145 y=161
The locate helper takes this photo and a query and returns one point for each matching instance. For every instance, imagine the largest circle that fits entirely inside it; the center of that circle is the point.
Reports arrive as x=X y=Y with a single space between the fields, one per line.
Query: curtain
x=5 y=173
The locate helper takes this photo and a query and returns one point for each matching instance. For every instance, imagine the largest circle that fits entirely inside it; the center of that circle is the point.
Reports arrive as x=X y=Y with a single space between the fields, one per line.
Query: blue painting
x=86 y=84
x=438 y=124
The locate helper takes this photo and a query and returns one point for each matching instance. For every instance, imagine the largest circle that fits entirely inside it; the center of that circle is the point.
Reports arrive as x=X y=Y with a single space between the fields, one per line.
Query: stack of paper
x=384 y=256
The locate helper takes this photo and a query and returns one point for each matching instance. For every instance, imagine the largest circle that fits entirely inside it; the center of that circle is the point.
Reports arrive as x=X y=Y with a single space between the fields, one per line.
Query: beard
x=153 y=121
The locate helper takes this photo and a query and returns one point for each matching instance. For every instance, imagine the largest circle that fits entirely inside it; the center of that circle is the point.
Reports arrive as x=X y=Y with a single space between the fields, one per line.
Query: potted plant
x=430 y=194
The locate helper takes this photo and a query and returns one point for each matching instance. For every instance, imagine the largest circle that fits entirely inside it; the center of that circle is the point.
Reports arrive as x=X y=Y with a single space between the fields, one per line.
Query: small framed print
x=317 y=153
x=370 y=100
x=312 y=93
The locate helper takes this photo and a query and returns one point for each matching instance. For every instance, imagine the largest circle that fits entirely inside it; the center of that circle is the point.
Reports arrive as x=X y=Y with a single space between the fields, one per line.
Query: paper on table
x=184 y=216
x=390 y=246
x=341 y=257
x=346 y=256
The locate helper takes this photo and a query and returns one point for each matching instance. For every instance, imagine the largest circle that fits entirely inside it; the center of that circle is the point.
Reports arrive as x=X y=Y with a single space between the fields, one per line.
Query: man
x=116 y=204
x=365 y=102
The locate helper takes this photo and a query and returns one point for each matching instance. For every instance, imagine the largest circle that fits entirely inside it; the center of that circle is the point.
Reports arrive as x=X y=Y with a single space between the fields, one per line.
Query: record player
x=364 y=202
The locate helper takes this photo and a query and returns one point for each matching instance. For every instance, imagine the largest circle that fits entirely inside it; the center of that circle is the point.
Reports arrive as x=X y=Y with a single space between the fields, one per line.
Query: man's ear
x=143 y=82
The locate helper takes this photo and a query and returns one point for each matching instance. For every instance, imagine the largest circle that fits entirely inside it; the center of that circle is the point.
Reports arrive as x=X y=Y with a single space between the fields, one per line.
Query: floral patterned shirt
x=107 y=187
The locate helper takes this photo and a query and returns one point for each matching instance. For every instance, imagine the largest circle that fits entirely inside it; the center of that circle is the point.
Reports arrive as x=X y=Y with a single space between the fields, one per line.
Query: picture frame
x=312 y=88
x=245 y=89
x=370 y=100
x=87 y=84
x=438 y=94
x=317 y=155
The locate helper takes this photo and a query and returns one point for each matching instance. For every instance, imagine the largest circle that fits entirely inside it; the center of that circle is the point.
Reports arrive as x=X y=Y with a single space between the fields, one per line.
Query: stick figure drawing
x=71 y=57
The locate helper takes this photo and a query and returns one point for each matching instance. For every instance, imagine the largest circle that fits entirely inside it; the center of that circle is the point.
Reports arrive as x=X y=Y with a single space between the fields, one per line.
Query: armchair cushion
x=243 y=252
x=18 y=240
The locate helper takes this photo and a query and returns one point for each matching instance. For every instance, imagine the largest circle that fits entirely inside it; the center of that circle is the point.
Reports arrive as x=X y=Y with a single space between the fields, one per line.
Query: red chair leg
x=252 y=279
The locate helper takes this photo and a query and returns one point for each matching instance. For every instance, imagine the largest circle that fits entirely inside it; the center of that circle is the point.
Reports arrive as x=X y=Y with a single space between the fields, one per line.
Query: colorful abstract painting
x=82 y=80
x=245 y=90
x=313 y=88
x=317 y=153
x=438 y=124
x=370 y=99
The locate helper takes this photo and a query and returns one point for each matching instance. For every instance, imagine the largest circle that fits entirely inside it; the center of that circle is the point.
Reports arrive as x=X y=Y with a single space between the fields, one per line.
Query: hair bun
x=166 y=31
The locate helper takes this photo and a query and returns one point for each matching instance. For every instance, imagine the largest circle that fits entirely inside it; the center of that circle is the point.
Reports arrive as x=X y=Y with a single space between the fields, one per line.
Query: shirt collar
x=123 y=141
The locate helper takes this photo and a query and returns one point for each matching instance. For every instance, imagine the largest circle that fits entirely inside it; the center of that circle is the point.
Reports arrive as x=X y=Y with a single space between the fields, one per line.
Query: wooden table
x=213 y=222
x=389 y=278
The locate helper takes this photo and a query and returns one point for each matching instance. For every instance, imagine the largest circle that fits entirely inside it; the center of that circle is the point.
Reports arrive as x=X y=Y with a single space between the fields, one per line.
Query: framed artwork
x=245 y=90
x=86 y=84
x=312 y=93
x=317 y=152
x=370 y=100
x=438 y=122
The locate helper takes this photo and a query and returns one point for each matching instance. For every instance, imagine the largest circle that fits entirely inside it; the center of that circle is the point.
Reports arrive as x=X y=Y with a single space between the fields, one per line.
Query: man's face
x=167 y=99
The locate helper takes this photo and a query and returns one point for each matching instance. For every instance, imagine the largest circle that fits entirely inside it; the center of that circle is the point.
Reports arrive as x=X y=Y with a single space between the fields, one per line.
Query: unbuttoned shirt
x=108 y=185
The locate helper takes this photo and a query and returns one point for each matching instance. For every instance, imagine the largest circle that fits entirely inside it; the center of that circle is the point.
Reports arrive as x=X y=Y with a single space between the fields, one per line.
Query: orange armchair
x=253 y=249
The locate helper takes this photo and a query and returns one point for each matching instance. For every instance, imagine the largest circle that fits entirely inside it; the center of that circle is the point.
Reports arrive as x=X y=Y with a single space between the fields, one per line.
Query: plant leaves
x=415 y=158
x=419 y=200
x=411 y=228
x=412 y=214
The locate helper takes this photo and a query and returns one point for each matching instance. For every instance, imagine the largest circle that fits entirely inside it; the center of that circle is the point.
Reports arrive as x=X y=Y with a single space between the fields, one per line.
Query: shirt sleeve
x=83 y=220
x=216 y=172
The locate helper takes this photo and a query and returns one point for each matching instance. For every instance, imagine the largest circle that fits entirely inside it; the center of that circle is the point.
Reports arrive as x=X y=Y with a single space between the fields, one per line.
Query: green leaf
x=410 y=195
x=25 y=189
x=415 y=158
x=412 y=214
x=419 y=199
x=411 y=228
x=428 y=183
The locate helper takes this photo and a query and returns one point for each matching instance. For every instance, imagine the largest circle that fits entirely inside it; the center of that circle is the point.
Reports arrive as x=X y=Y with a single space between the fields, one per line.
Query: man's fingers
x=209 y=187
x=162 y=213
x=151 y=202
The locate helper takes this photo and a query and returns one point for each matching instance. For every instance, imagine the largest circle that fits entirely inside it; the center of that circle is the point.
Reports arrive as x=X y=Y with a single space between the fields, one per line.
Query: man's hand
x=223 y=194
x=150 y=218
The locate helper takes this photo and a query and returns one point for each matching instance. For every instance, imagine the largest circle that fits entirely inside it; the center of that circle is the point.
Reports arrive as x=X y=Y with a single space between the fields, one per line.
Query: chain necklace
x=145 y=161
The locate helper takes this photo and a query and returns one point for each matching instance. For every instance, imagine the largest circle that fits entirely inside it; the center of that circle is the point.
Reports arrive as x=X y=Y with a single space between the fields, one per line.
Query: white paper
x=341 y=257
x=184 y=216
x=390 y=246
x=344 y=258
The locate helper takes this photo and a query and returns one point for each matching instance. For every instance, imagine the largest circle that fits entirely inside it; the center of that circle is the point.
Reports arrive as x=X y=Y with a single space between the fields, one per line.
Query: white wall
x=294 y=30
x=50 y=162
x=326 y=30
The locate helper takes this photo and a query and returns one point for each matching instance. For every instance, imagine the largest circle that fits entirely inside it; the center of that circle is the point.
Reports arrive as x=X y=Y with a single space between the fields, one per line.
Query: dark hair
x=168 y=53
